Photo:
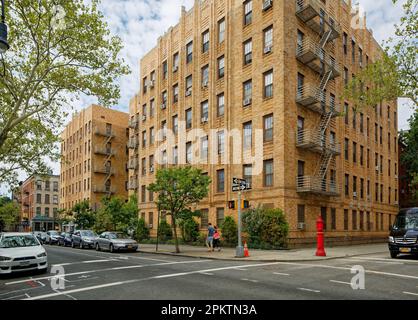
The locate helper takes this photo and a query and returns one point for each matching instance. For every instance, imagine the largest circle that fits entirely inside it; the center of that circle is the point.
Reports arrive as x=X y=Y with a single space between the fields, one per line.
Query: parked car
x=403 y=236
x=21 y=252
x=52 y=237
x=41 y=236
x=65 y=239
x=83 y=238
x=115 y=241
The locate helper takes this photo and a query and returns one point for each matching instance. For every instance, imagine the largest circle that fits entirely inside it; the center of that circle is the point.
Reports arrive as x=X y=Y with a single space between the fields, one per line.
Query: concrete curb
x=260 y=260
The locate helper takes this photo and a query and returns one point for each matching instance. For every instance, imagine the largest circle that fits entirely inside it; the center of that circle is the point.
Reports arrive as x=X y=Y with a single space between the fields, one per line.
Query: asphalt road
x=91 y=275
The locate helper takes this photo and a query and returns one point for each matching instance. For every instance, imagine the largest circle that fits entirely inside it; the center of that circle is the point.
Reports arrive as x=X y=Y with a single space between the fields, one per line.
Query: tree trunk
x=176 y=240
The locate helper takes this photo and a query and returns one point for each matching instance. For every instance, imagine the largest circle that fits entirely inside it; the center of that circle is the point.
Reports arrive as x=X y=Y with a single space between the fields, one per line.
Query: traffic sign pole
x=240 y=248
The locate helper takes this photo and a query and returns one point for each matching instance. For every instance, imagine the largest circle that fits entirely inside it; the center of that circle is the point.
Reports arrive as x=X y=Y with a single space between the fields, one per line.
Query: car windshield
x=19 y=241
x=88 y=234
x=118 y=236
x=406 y=222
x=53 y=233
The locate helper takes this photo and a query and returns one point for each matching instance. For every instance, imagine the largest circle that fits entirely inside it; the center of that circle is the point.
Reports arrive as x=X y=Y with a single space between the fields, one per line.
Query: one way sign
x=240 y=185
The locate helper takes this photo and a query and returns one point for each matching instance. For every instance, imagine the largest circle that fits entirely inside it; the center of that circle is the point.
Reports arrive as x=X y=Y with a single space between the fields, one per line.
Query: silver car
x=115 y=241
x=21 y=252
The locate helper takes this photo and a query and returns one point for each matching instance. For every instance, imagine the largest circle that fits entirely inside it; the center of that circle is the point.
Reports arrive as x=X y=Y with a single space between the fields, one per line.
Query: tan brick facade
x=94 y=157
x=307 y=149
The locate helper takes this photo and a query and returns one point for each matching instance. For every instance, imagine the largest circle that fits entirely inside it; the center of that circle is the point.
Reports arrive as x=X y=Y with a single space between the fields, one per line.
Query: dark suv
x=404 y=233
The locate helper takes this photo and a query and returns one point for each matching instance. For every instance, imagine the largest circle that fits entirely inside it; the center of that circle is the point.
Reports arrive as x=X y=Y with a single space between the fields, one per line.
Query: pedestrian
x=216 y=239
x=209 y=239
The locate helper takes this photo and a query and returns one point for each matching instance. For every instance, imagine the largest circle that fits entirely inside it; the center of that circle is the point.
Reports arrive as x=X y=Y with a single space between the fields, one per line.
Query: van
x=404 y=233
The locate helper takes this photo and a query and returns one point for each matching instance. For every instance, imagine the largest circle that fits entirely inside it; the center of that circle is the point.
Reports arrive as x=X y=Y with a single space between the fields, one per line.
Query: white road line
x=107 y=255
x=240 y=269
x=310 y=290
x=405 y=261
x=249 y=280
x=207 y=274
x=83 y=262
x=281 y=274
x=410 y=293
x=374 y=261
x=103 y=270
x=341 y=282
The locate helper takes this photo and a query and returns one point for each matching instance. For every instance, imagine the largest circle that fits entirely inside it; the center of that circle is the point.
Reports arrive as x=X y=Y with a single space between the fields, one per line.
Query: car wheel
x=111 y=249
x=81 y=245
x=72 y=244
x=393 y=254
x=97 y=247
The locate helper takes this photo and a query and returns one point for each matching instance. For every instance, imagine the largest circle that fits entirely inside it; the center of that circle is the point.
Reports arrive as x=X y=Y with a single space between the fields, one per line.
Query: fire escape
x=133 y=144
x=106 y=169
x=314 y=53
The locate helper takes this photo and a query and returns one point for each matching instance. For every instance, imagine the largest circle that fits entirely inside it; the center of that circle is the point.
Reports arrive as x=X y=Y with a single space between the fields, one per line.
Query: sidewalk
x=297 y=255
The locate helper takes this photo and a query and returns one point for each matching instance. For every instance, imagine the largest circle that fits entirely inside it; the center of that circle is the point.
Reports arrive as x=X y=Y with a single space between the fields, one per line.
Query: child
x=217 y=239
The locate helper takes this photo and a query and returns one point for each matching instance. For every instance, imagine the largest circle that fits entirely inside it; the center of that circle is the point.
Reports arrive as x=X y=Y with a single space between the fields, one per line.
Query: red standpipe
x=320 y=251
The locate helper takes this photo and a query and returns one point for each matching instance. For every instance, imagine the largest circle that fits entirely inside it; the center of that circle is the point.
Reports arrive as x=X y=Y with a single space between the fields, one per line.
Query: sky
x=139 y=23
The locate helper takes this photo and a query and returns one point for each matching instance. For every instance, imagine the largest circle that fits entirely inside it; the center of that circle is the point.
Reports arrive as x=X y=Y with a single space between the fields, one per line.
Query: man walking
x=209 y=239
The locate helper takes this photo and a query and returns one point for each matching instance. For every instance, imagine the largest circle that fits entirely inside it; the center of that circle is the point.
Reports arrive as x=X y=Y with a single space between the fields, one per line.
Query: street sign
x=240 y=185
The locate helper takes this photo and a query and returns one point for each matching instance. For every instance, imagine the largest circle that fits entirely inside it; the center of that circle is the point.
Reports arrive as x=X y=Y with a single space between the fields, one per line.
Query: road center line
x=281 y=274
x=103 y=270
x=341 y=282
x=310 y=290
x=83 y=262
x=410 y=293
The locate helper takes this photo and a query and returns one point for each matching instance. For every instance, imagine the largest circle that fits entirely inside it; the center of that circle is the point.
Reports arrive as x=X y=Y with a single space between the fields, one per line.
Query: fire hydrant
x=320 y=251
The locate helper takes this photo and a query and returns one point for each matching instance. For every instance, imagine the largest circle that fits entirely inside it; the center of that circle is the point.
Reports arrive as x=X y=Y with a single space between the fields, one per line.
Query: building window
x=362 y=188
x=39 y=198
x=221 y=30
x=361 y=220
x=221 y=105
x=39 y=185
x=205 y=41
x=152 y=108
x=55 y=199
x=55 y=186
x=248 y=12
x=347 y=185
x=220 y=181
x=333 y=219
x=345 y=76
x=220 y=216
x=204 y=148
x=47 y=212
x=175 y=124
x=189 y=85
x=204 y=111
x=204 y=218
x=268 y=173
x=164 y=99
x=346 y=113
x=205 y=76
x=165 y=70
x=144 y=139
x=47 y=185
x=345 y=219
x=189 y=52
x=354 y=152
x=248 y=173
x=301 y=213
x=221 y=67
x=175 y=155
x=248 y=52
x=354 y=220
x=151 y=136
x=247 y=89
x=324 y=217
x=268 y=40
x=354 y=119
x=144 y=166
x=189 y=153
x=143 y=193
x=345 y=43
x=175 y=93
x=189 y=118
x=163 y=130
x=268 y=84
x=361 y=155
x=268 y=128
x=221 y=142
x=346 y=142
x=248 y=134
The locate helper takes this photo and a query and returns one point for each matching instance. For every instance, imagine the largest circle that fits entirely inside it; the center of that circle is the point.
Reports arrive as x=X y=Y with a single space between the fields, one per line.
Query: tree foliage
x=409 y=156
x=9 y=213
x=59 y=50
x=229 y=231
x=188 y=225
x=84 y=217
x=394 y=74
x=178 y=189
x=266 y=226
x=141 y=230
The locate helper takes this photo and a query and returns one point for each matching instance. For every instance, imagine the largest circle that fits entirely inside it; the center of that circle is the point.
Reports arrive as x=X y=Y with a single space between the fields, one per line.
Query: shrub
x=165 y=233
x=141 y=231
x=267 y=228
x=229 y=231
x=189 y=230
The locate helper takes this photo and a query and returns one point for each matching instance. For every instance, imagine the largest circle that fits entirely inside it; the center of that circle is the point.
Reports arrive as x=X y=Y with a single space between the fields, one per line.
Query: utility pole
x=240 y=248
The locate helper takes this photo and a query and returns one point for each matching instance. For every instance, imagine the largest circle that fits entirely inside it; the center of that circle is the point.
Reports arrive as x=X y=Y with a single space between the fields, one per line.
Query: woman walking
x=217 y=239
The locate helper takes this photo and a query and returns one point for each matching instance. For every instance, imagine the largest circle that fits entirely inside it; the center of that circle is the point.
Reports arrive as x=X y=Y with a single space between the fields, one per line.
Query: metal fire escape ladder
x=107 y=159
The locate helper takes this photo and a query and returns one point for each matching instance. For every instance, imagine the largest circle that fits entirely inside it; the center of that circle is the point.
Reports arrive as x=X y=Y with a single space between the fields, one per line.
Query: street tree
x=9 y=213
x=59 y=51
x=84 y=217
x=178 y=189
x=409 y=157
x=394 y=74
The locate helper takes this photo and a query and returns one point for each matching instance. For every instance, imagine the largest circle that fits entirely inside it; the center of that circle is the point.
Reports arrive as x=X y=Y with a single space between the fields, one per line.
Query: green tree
x=84 y=217
x=229 y=231
x=59 y=50
x=188 y=225
x=164 y=231
x=129 y=220
x=409 y=157
x=9 y=213
x=141 y=230
x=178 y=189
x=394 y=75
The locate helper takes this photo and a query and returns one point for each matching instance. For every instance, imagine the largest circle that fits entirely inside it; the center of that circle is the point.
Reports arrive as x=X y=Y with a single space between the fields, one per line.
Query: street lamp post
x=4 y=46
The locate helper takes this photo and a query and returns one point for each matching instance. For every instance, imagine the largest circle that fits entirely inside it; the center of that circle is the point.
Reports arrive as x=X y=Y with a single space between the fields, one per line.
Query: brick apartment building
x=94 y=156
x=38 y=197
x=277 y=68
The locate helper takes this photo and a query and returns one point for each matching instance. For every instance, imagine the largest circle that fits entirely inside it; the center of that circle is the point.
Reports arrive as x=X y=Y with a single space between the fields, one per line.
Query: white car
x=21 y=252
